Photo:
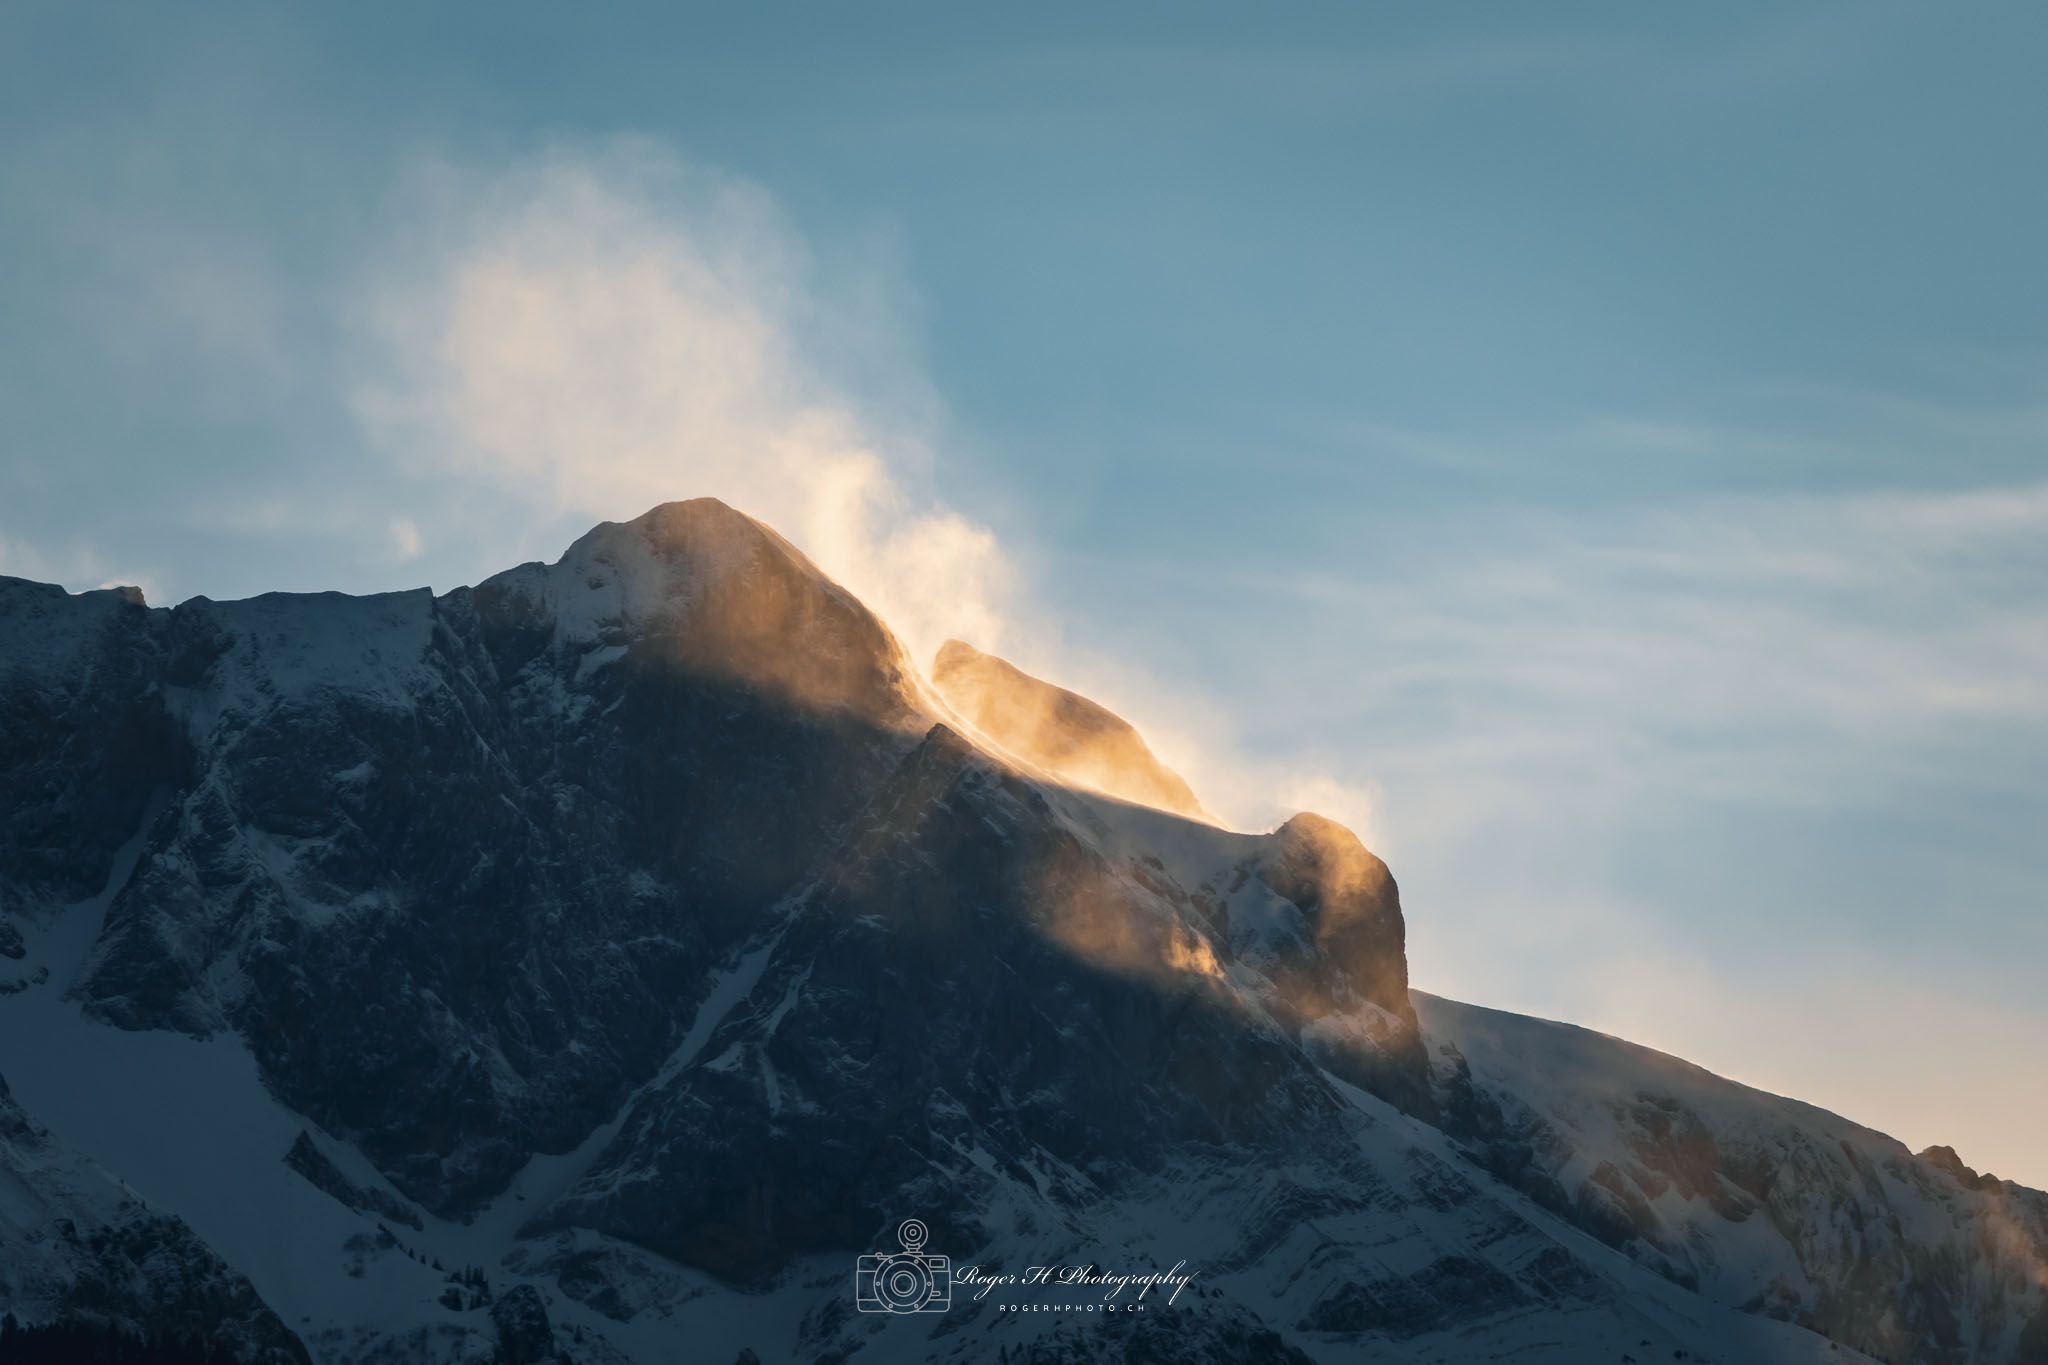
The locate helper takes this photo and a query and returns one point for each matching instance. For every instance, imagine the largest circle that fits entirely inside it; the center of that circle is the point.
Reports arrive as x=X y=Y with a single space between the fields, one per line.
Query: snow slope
x=1754 y=1200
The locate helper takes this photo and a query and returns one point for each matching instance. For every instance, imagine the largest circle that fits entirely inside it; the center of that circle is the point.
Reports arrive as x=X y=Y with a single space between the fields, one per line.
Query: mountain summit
x=707 y=592
x=603 y=963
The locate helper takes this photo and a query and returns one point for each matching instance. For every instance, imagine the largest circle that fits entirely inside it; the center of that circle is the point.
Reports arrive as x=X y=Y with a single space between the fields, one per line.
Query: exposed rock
x=1355 y=954
x=1945 y=1159
x=525 y=1336
x=85 y=738
x=967 y=976
x=1352 y=905
x=468 y=860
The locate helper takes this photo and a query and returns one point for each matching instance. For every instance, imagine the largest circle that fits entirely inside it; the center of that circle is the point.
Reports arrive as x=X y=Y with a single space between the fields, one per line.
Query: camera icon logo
x=907 y=1281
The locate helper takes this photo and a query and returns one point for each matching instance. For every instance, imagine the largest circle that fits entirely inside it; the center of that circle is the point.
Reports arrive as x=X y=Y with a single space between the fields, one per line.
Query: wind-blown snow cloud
x=602 y=331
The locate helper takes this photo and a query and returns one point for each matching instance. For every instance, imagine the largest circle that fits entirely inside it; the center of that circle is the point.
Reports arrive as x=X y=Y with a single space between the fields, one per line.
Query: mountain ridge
x=644 y=923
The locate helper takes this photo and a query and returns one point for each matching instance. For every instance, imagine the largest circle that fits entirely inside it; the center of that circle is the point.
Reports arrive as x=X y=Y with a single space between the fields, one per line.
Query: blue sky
x=1601 y=450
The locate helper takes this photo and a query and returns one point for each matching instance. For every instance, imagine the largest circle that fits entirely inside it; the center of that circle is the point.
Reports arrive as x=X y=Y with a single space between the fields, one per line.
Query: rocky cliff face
x=968 y=976
x=84 y=738
x=457 y=868
x=636 y=933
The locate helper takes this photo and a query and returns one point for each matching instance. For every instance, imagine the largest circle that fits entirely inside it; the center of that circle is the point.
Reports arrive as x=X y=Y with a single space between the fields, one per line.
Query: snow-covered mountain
x=76 y=1242
x=595 y=963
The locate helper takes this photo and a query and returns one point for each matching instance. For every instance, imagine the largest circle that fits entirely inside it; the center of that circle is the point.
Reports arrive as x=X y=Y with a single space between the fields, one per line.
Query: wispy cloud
x=1848 y=616
x=1704 y=775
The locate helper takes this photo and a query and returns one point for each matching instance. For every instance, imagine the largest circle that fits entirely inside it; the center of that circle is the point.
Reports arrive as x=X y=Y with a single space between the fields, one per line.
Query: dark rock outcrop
x=86 y=738
x=525 y=1337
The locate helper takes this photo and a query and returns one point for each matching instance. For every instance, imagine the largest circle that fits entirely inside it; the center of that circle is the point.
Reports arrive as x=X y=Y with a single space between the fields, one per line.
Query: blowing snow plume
x=600 y=330
x=598 y=333
x=1060 y=731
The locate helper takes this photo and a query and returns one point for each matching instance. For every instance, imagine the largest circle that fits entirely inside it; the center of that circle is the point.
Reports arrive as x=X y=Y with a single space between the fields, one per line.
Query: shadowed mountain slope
x=633 y=932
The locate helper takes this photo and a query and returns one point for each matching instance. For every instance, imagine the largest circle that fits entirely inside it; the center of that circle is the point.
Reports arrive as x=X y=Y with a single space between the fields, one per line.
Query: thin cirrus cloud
x=1860 y=615
x=1636 y=765
x=1552 y=683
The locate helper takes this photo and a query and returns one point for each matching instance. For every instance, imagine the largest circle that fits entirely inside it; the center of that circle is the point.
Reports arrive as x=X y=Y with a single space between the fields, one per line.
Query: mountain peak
x=638 y=931
x=703 y=590
x=703 y=527
x=676 y=548
x=1060 y=731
